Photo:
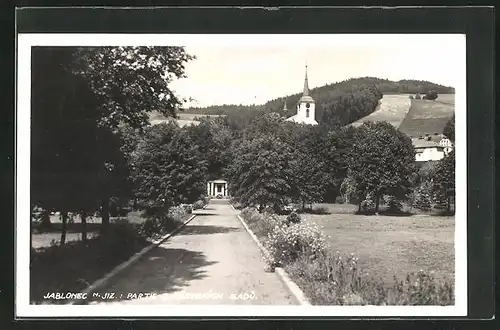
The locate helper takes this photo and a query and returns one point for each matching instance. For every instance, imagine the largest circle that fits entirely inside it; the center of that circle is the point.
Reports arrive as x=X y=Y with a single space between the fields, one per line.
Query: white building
x=217 y=188
x=306 y=108
x=426 y=151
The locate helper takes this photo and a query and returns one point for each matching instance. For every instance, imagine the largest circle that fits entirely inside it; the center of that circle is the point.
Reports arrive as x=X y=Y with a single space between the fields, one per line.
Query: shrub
x=198 y=205
x=177 y=214
x=188 y=208
x=423 y=196
x=440 y=200
x=321 y=210
x=293 y=218
x=431 y=95
x=420 y=289
x=340 y=200
x=411 y=97
x=235 y=202
x=261 y=224
x=161 y=224
x=269 y=210
x=287 y=243
x=121 y=233
x=152 y=227
x=336 y=280
x=394 y=205
x=367 y=207
x=417 y=96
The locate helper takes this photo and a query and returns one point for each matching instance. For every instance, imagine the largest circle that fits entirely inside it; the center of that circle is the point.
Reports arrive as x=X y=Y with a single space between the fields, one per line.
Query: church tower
x=306 y=108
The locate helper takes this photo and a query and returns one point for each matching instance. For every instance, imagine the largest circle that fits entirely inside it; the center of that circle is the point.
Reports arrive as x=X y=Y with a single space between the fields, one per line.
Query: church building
x=305 y=108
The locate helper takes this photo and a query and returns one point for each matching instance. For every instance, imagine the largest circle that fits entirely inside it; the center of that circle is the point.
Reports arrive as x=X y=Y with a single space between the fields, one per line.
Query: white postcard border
x=22 y=230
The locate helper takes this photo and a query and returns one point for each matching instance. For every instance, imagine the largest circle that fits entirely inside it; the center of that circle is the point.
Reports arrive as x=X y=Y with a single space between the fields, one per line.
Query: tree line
x=328 y=98
x=275 y=162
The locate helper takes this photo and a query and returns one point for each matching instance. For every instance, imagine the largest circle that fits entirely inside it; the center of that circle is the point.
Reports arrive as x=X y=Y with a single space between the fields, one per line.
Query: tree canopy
x=82 y=98
x=170 y=169
x=382 y=161
x=449 y=129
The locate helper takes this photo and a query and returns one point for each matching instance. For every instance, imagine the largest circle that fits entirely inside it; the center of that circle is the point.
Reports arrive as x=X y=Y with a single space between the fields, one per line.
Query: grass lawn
x=427 y=117
x=446 y=98
x=53 y=236
x=392 y=108
x=391 y=245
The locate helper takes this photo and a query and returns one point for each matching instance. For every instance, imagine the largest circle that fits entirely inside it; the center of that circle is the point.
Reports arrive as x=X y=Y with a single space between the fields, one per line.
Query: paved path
x=213 y=260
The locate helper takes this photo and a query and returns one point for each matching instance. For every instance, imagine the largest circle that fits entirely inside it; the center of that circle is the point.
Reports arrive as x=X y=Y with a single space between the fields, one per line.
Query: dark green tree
x=431 y=95
x=382 y=161
x=308 y=177
x=443 y=182
x=449 y=129
x=260 y=174
x=81 y=96
x=213 y=137
x=423 y=196
x=169 y=169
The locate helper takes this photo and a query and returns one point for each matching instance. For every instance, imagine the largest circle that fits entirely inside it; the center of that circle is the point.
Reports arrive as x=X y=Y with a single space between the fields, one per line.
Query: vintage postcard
x=273 y=175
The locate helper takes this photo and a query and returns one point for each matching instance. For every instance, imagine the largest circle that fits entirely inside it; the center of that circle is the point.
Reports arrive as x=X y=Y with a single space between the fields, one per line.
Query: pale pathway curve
x=213 y=260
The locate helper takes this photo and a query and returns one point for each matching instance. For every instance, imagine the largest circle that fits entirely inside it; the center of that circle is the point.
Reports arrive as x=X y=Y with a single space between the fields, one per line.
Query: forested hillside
x=336 y=104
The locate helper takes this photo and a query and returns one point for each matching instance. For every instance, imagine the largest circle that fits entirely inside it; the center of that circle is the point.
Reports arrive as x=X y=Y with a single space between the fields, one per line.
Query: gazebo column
x=208 y=188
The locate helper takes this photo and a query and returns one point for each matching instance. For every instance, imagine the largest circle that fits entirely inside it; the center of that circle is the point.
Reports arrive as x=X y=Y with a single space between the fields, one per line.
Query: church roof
x=305 y=94
x=306 y=98
x=306 y=85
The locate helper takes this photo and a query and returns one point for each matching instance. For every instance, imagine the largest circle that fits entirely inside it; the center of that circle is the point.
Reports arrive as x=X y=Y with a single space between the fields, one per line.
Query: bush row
x=330 y=278
x=161 y=224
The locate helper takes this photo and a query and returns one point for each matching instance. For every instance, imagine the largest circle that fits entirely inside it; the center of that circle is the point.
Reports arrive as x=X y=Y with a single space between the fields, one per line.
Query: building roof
x=218 y=181
x=423 y=143
x=306 y=86
x=306 y=98
x=305 y=94
x=434 y=137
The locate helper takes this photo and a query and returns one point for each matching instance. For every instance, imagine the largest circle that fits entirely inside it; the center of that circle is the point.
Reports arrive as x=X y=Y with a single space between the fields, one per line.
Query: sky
x=255 y=69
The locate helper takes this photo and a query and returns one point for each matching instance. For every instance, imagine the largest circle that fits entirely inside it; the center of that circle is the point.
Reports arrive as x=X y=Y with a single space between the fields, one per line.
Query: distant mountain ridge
x=324 y=95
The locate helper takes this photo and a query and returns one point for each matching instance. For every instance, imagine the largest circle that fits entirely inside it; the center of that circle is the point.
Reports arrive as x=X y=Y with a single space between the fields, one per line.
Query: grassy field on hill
x=392 y=108
x=428 y=116
x=413 y=117
x=391 y=245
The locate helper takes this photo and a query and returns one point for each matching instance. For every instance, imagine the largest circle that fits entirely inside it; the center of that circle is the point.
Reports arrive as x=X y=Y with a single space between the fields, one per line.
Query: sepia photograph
x=270 y=175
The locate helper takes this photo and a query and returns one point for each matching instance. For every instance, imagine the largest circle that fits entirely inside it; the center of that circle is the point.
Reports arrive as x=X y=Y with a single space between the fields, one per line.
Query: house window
x=307 y=113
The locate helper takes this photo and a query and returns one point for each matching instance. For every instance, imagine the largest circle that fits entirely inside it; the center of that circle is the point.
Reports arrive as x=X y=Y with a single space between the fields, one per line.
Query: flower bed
x=329 y=278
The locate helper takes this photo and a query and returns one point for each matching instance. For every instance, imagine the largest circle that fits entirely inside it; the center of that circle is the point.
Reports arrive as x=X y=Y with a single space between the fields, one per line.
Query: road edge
x=132 y=260
x=282 y=274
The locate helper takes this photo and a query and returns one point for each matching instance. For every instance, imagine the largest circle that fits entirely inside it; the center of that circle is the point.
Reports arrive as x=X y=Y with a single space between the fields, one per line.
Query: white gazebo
x=216 y=188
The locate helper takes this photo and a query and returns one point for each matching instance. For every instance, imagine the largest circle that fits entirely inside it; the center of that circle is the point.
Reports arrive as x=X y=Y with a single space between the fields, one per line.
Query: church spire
x=306 y=85
x=284 y=107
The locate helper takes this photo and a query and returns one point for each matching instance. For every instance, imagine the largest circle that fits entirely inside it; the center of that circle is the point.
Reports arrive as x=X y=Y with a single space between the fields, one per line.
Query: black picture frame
x=476 y=22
